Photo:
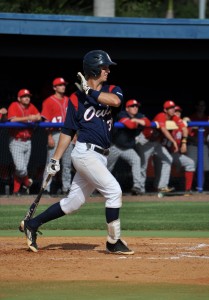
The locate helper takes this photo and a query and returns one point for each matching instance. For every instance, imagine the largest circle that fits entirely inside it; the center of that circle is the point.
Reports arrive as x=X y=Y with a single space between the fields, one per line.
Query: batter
x=90 y=114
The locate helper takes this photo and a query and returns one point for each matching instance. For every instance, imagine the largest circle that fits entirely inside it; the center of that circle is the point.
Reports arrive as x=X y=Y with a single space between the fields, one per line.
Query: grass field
x=142 y=216
x=138 y=219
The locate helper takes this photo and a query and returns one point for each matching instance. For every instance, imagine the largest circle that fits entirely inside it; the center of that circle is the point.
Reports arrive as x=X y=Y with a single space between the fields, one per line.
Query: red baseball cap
x=59 y=81
x=178 y=108
x=132 y=102
x=23 y=92
x=169 y=104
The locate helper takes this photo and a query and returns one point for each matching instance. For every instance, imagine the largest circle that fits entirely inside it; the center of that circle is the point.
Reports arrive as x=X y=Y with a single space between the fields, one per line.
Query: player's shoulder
x=161 y=115
x=74 y=99
x=13 y=104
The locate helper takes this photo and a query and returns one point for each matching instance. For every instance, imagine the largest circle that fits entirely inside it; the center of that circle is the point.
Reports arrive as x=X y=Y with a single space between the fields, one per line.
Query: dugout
x=158 y=59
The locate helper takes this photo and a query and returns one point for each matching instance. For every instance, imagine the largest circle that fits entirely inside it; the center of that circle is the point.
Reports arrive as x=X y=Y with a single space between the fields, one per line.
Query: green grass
x=138 y=216
x=88 y=290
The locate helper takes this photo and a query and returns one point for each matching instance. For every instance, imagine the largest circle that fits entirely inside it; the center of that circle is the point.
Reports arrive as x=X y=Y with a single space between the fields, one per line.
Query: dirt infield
x=156 y=260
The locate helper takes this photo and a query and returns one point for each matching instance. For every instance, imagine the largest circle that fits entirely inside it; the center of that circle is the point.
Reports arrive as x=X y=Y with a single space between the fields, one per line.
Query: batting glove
x=53 y=167
x=83 y=86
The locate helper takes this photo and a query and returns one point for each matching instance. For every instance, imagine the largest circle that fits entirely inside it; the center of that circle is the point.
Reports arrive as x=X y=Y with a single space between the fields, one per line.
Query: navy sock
x=51 y=213
x=112 y=214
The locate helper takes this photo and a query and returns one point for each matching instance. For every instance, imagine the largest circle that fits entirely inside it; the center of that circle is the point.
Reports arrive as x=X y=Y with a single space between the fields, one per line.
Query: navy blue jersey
x=92 y=121
x=124 y=138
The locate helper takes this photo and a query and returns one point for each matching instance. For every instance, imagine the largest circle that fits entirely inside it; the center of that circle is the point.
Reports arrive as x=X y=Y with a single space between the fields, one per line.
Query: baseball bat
x=32 y=209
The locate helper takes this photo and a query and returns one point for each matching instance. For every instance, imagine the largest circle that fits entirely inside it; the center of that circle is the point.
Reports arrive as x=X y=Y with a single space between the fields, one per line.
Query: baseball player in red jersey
x=90 y=111
x=54 y=110
x=154 y=147
x=3 y=114
x=199 y=115
x=181 y=159
x=124 y=142
x=22 y=110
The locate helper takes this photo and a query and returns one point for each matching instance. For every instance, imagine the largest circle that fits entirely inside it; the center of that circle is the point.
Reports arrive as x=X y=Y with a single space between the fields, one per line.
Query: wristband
x=93 y=93
x=184 y=140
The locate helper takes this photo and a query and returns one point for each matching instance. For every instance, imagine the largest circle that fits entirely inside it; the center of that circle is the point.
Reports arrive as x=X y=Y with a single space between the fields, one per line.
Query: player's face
x=132 y=110
x=24 y=100
x=105 y=70
x=60 y=88
x=170 y=111
x=178 y=113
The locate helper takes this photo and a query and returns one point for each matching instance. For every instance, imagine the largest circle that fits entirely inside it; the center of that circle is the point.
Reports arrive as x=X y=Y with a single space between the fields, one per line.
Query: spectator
x=199 y=115
x=54 y=110
x=124 y=142
x=3 y=114
x=22 y=110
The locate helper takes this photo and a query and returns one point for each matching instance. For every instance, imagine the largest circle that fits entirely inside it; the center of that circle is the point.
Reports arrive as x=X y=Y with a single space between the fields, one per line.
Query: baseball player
x=154 y=147
x=124 y=142
x=54 y=110
x=3 y=114
x=199 y=115
x=180 y=159
x=90 y=111
x=22 y=110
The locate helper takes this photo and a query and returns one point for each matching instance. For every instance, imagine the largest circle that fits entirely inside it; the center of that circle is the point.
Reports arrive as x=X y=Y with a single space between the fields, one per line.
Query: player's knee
x=114 y=197
x=21 y=173
x=70 y=205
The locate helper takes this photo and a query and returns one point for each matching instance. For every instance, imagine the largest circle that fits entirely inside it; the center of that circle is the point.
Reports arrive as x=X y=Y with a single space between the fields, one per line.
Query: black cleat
x=136 y=191
x=120 y=247
x=31 y=236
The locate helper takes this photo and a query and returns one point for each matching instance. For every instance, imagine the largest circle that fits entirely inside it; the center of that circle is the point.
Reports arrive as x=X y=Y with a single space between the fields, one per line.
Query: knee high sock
x=112 y=214
x=188 y=180
x=25 y=181
x=51 y=213
x=17 y=184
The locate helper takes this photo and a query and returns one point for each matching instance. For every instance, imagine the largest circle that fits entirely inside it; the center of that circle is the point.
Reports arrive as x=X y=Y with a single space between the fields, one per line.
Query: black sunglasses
x=134 y=105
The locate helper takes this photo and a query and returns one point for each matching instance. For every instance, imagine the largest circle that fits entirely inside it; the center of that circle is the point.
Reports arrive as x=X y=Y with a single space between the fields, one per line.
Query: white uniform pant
x=91 y=174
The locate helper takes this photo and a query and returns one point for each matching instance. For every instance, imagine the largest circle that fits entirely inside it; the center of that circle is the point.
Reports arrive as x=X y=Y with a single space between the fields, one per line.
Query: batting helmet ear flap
x=93 y=61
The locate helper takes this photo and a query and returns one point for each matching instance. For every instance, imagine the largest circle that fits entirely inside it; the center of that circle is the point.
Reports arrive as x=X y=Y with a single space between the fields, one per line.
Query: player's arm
x=183 y=148
x=169 y=137
x=65 y=138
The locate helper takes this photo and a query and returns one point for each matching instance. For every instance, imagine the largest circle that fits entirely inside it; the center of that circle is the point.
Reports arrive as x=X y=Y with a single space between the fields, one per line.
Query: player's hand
x=183 y=148
x=53 y=167
x=83 y=86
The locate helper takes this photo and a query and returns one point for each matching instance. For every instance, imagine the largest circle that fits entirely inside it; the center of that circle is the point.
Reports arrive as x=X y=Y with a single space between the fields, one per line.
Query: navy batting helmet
x=93 y=60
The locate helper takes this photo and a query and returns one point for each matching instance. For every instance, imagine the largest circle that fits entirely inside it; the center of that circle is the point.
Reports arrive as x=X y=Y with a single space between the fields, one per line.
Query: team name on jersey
x=92 y=111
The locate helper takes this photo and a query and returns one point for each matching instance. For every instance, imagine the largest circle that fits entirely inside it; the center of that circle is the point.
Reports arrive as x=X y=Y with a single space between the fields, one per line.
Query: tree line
x=123 y=8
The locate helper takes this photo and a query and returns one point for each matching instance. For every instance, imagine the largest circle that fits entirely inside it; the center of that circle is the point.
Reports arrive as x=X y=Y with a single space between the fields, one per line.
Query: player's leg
x=166 y=162
x=145 y=151
x=134 y=160
x=66 y=169
x=92 y=166
x=50 y=153
x=17 y=149
x=189 y=168
x=27 y=182
x=113 y=157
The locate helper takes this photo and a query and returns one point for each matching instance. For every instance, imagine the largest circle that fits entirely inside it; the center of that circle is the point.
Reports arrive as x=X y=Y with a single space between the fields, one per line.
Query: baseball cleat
x=166 y=189
x=31 y=236
x=21 y=227
x=120 y=247
x=136 y=191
